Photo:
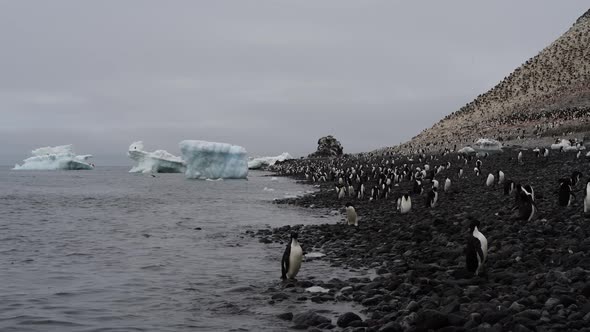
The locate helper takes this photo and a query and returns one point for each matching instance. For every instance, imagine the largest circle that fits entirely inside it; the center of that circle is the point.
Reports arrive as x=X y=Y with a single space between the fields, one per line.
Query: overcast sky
x=271 y=76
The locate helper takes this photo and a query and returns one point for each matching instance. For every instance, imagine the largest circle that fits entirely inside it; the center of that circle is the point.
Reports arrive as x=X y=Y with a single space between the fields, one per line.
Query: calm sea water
x=105 y=250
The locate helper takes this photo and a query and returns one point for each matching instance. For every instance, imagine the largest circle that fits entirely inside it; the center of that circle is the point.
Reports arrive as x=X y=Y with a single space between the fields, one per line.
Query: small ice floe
x=317 y=289
x=268 y=189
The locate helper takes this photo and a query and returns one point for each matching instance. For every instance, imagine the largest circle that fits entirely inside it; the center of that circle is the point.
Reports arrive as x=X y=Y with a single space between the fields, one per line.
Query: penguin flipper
x=285 y=262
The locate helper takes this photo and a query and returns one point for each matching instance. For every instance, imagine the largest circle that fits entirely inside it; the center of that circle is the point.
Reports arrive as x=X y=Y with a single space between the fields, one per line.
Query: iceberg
x=210 y=160
x=159 y=161
x=566 y=145
x=466 y=150
x=487 y=145
x=51 y=158
x=261 y=162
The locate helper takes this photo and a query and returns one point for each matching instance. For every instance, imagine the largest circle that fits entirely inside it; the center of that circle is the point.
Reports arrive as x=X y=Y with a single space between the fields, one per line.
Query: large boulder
x=309 y=318
x=328 y=146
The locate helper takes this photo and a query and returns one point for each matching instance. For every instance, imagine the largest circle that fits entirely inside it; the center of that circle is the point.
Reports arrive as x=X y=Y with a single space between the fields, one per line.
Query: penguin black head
x=294 y=235
x=348 y=204
x=473 y=223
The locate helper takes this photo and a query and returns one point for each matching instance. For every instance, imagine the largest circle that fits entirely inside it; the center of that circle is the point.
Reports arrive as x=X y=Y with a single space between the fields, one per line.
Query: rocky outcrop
x=328 y=146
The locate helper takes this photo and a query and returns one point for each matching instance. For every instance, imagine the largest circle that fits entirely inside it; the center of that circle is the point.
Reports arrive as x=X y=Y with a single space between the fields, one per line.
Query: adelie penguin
x=490 y=180
x=565 y=192
x=447 y=185
x=432 y=197
x=351 y=217
x=404 y=203
x=477 y=249
x=292 y=258
x=526 y=203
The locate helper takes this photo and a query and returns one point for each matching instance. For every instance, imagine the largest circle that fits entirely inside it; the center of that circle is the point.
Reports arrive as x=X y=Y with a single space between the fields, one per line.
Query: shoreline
x=537 y=272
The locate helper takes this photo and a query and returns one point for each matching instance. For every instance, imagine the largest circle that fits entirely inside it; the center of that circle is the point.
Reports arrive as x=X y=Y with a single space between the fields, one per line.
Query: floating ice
x=210 y=160
x=487 y=145
x=159 y=161
x=317 y=289
x=260 y=162
x=60 y=157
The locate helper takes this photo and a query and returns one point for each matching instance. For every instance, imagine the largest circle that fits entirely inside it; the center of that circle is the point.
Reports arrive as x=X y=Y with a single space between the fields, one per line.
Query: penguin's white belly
x=352 y=217
x=295 y=259
x=586 y=204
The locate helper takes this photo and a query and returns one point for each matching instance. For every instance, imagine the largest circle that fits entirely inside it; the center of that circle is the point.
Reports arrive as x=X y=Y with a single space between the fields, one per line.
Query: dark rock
x=280 y=296
x=328 y=146
x=432 y=320
x=347 y=318
x=391 y=327
x=309 y=318
x=286 y=316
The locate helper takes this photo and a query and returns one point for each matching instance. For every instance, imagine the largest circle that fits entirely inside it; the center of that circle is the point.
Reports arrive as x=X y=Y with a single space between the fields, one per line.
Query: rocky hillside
x=547 y=95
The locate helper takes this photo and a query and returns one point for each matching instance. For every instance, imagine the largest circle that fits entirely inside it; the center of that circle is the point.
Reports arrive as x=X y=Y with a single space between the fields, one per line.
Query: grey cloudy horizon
x=272 y=76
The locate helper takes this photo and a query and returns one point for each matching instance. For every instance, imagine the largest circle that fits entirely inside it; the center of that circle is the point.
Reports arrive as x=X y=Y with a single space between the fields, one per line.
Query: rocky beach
x=536 y=275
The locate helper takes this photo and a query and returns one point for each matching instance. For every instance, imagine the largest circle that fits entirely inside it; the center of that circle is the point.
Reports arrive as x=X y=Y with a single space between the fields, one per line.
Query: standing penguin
x=587 y=197
x=292 y=258
x=351 y=216
x=477 y=249
x=447 y=185
x=509 y=187
x=565 y=192
x=435 y=184
x=460 y=173
x=576 y=175
x=526 y=204
x=490 y=180
x=500 y=177
x=405 y=203
x=432 y=197
x=520 y=157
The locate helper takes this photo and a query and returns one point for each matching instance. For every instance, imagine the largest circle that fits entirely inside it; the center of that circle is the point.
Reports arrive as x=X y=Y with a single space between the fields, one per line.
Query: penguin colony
x=399 y=181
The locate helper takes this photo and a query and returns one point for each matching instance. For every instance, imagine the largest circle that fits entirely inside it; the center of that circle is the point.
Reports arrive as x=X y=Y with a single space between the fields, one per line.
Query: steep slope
x=548 y=94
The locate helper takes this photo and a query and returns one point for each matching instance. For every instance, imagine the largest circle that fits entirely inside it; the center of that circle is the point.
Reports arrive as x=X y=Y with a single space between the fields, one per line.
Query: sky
x=272 y=76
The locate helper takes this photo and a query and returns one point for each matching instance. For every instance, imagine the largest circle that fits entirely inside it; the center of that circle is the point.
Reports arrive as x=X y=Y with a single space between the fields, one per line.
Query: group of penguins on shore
x=351 y=182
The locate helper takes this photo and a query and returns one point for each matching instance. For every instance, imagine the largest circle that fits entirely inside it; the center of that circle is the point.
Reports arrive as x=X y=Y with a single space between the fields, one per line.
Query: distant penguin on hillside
x=587 y=197
x=460 y=173
x=447 y=184
x=490 y=180
x=476 y=252
x=432 y=197
x=520 y=157
x=292 y=258
x=405 y=203
x=565 y=192
x=351 y=216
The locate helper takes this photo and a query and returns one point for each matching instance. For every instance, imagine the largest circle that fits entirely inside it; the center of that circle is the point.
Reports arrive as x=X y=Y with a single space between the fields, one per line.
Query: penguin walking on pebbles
x=432 y=197
x=526 y=203
x=476 y=252
x=490 y=180
x=292 y=258
x=351 y=216
x=447 y=186
x=460 y=173
x=501 y=177
x=565 y=192
x=520 y=158
x=509 y=187
x=404 y=203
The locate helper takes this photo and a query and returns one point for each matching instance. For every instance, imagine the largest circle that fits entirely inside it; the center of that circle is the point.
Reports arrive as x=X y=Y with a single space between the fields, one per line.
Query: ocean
x=106 y=250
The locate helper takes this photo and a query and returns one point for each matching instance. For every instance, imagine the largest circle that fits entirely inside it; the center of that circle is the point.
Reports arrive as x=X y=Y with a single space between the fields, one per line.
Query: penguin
x=526 y=205
x=500 y=177
x=545 y=152
x=578 y=154
x=460 y=173
x=418 y=188
x=587 y=197
x=405 y=203
x=575 y=177
x=509 y=187
x=435 y=184
x=341 y=193
x=477 y=171
x=520 y=157
x=432 y=197
x=447 y=186
x=490 y=180
x=478 y=163
x=292 y=258
x=476 y=252
x=565 y=192
x=351 y=216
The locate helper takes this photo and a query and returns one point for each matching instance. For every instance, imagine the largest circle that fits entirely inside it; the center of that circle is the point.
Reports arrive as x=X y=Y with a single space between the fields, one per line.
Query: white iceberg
x=261 y=162
x=159 y=161
x=60 y=157
x=487 y=145
x=210 y=160
x=566 y=145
